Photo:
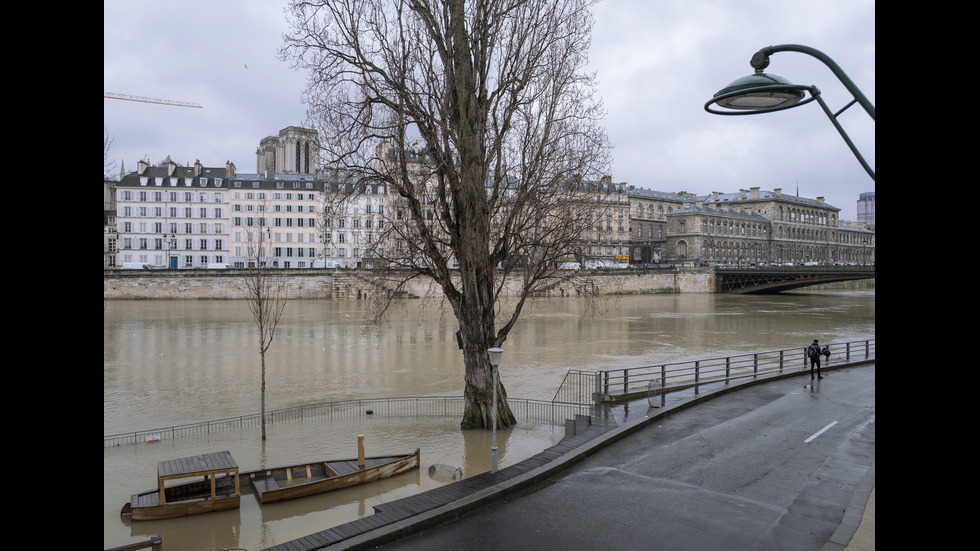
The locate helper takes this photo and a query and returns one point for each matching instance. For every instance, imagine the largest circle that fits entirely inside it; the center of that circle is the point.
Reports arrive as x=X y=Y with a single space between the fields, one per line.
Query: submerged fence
x=588 y=387
x=526 y=410
x=578 y=393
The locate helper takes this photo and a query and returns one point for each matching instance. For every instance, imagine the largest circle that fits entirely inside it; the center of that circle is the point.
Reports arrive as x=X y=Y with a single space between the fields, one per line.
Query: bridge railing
x=610 y=385
x=798 y=267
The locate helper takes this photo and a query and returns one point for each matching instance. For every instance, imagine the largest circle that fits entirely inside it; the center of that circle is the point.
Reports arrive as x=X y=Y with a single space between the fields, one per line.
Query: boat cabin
x=212 y=466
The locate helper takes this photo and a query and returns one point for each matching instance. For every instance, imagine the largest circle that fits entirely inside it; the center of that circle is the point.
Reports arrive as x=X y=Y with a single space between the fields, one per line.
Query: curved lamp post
x=762 y=93
x=495 y=354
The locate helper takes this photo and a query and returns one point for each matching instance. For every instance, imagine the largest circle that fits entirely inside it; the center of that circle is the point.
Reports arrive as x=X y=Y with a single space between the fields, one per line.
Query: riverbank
x=365 y=284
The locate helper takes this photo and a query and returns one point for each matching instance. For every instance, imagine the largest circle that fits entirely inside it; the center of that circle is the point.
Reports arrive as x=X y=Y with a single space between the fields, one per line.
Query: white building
x=172 y=216
x=273 y=220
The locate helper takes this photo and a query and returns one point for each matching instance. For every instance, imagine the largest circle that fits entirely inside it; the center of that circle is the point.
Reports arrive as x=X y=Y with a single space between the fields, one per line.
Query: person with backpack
x=813 y=352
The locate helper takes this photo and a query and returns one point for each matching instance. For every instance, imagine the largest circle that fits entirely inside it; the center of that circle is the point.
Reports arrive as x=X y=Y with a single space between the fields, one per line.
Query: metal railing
x=584 y=387
x=523 y=409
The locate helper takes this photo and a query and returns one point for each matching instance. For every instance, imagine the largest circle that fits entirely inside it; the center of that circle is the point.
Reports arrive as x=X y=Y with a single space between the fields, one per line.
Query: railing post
x=597 y=396
x=780 y=360
x=626 y=381
x=755 y=363
x=728 y=368
x=697 y=375
x=605 y=385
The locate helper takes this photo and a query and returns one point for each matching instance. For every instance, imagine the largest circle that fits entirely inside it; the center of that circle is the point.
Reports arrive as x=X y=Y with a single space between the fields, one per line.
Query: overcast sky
x=658 y=62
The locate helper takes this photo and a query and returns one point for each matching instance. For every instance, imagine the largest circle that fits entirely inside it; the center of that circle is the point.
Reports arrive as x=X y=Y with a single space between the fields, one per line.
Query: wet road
x=768 y=467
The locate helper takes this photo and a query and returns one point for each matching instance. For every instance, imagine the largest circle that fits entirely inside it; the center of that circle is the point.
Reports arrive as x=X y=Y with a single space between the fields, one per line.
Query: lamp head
x=760 y=93
x=495 y=354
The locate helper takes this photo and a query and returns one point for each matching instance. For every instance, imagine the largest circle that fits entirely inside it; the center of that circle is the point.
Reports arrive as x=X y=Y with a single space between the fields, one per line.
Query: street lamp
x=495 y=354
x=170 y=240
x=762 y=93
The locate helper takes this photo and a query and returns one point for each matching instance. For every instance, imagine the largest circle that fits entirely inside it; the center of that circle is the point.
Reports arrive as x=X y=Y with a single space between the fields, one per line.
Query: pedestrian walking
x=813 y=352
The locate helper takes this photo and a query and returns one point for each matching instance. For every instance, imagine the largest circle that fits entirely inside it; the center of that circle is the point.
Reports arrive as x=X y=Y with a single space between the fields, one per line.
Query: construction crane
x=112 y=95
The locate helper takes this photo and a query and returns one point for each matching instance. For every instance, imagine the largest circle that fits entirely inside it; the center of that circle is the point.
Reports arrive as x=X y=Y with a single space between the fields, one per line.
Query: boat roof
x=197 y=465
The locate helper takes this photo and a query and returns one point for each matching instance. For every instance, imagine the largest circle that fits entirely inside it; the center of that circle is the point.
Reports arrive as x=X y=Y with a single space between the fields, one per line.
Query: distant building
x=295 y=150
x=292 y=213
x=273 y=220
x=109 y=241
x=866 y=209
x=748 y=227
x=172 y=216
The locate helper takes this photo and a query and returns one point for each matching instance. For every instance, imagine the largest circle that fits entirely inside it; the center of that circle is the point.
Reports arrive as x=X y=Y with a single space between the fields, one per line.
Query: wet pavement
x=783 y=464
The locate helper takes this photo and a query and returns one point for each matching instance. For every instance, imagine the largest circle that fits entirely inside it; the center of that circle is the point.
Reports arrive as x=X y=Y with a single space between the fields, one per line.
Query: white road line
x=819 y=432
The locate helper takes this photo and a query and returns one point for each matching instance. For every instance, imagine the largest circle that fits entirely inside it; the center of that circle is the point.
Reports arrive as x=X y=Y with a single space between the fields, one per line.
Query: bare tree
x=479 y=118
x=108 y=165
x=267 y=295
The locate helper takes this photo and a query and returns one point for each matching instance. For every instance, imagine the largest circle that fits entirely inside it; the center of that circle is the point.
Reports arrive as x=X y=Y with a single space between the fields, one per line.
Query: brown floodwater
x=177 y=362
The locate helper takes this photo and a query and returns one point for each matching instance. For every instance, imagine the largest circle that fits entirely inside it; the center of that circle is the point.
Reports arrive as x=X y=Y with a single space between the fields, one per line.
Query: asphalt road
x=771 y=467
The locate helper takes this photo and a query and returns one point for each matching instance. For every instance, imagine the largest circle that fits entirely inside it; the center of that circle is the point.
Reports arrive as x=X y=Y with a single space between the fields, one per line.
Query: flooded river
x=177 y=362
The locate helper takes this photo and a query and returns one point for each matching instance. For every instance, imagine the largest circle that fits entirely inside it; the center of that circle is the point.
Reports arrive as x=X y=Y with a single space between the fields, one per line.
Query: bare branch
x=479 y=120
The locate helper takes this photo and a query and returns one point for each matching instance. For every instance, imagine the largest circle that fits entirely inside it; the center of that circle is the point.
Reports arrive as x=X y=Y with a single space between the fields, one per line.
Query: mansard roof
x=651 y=194
x=689 y=209
x=170 y=174
x=746 y=196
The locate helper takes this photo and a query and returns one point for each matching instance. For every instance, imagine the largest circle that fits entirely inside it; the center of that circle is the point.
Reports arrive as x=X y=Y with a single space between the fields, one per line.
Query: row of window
x=161 y=260
x=203 y=228
x=160 y=244
x=128 y=196
x=649 y=211
x=172 y=212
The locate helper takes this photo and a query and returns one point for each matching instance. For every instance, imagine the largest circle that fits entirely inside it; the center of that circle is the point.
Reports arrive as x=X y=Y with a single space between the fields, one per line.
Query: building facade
x=274 y=220
x=295 y=150
x=172 y=216
x=291 y=213
x=756 y=227
x=866 y=209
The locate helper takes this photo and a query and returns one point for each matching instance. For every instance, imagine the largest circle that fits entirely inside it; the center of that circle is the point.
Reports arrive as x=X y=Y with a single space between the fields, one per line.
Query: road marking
x=819 y=432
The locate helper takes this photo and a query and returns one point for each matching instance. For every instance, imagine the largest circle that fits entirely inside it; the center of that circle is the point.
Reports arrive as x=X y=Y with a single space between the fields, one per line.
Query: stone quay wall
x=364 y=284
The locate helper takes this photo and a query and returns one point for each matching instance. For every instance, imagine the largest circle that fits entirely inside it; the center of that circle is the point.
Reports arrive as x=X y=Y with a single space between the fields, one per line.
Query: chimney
x=197 y=167
x=778 y=191
x=820 y=200
x=141 y=167
x=754 y=192
x=229 y=170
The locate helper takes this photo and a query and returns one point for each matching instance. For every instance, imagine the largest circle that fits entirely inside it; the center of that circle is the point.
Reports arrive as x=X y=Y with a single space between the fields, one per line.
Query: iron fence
x=524 y=409
x=584 y=387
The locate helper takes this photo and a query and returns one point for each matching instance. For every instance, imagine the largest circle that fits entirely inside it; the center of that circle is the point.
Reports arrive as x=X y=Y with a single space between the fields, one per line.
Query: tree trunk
x=477 y=329
x=478 y=395
x=262 y=354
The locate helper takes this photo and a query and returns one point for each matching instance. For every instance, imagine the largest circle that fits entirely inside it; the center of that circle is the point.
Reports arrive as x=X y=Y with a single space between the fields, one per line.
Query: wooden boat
x=217 y=491
x=281 y=483
x=221 y=484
